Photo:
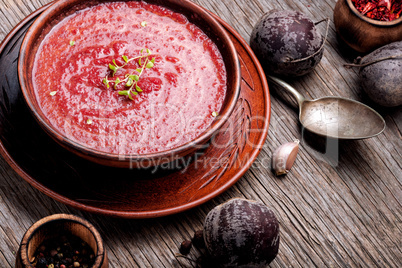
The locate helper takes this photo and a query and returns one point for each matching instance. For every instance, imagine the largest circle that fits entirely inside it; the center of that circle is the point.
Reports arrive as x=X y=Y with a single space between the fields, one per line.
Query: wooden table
x=340 y=206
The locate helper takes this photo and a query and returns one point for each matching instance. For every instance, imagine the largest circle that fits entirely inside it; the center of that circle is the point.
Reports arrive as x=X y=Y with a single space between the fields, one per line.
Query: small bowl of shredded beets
x=62 y=241
x=366 y=25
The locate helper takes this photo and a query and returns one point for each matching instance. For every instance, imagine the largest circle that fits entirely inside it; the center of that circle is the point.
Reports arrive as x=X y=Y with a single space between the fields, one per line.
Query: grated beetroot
x=383 y=10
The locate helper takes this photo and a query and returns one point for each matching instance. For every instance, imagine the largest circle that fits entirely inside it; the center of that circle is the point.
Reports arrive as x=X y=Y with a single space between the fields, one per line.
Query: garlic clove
x=284 y=157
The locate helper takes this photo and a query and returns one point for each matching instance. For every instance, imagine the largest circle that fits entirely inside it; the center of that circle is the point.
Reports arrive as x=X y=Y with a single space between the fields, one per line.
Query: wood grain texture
x=340 y=206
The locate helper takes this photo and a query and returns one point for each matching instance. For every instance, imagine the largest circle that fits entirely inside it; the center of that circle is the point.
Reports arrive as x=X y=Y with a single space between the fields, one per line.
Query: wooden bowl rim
x=129 y=158
x=100 y=254
x=372 y=21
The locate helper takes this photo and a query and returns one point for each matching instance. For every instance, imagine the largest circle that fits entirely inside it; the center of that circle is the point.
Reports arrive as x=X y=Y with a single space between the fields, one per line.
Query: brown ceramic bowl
x=51 y=227
x=361 y=33
x=195 y=14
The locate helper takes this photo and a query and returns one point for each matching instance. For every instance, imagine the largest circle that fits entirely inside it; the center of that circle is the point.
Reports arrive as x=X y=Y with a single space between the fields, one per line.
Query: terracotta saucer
x=132 y=193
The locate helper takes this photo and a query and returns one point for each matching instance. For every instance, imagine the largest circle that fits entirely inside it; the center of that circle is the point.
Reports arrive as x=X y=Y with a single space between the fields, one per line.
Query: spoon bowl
x=336 y=117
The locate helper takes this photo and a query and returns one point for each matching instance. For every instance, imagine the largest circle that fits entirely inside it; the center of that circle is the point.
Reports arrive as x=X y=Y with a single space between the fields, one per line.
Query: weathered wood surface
x=339 y=207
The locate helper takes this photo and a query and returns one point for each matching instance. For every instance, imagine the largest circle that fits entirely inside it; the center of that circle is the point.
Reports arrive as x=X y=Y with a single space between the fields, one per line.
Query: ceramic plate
x=132 y=193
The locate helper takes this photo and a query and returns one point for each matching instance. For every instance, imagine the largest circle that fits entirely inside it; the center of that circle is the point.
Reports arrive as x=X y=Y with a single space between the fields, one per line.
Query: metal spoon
x=336 y=117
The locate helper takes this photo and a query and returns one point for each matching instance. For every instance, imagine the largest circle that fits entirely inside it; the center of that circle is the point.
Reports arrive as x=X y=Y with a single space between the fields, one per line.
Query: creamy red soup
x=181 y=94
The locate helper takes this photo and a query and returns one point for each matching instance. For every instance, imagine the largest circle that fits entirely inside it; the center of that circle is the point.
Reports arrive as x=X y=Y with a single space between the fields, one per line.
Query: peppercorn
x=64 y=252
x=42 y=263
x=198 y=239
x=185 y=247
x=53 y=252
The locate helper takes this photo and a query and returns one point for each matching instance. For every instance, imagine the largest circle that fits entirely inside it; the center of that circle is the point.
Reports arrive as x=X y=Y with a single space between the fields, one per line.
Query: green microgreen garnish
x=106 y=82
x=72 y=43
x=130 y=80
x=53 y=93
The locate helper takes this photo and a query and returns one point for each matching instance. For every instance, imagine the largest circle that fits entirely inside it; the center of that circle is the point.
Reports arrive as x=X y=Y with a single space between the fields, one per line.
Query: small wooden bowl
x=362 y=33
x=196 y=15
x=51 y=227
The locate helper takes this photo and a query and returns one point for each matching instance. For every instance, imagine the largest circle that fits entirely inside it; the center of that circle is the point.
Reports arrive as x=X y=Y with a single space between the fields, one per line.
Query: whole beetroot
x=242 y=233
x=381 y=75
x=287 y=43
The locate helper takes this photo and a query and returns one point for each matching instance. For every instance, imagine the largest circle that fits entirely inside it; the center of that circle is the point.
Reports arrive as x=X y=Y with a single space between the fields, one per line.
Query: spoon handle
x=300 y=99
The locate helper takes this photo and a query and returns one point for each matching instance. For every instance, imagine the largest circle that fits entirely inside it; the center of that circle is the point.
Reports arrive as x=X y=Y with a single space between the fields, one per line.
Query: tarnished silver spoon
x=335 y=117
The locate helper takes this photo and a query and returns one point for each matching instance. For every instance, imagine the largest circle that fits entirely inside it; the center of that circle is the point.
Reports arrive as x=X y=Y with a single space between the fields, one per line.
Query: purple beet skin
x=287 y=43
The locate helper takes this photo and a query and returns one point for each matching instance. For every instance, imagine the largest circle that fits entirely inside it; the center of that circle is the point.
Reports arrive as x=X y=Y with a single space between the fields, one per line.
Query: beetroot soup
x=129 y=78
